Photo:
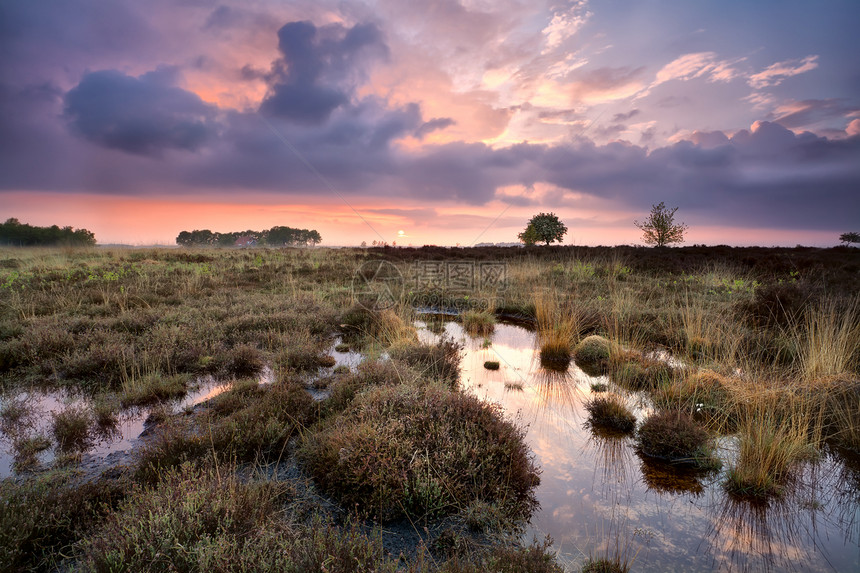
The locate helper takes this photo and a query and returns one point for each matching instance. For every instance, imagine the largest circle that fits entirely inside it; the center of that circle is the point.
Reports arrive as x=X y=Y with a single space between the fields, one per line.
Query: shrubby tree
x=13 y=232
x=660 y=229
x=849 y=238
x=274 y=237
x=544 y=227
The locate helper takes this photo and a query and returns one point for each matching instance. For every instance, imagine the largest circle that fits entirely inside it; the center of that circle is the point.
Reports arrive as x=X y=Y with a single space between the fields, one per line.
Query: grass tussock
x=193 y=520
x=42 y=518
x=440 y=361
x=673 y=436
x=592 y=354
x=478 y=322
x=829 y=339
x=610 y=412
x=152 y=388
x=421 y=451
x=704 y=394
x=605 y=565
x=778 y=429
x=71 y=428
x=558 y=329
x=634 y=370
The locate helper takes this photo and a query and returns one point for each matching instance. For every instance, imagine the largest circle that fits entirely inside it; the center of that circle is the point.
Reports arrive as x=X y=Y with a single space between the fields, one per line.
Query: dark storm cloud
x=620 y=117
x=317 y=71
x=145 y=115
x=435 y=124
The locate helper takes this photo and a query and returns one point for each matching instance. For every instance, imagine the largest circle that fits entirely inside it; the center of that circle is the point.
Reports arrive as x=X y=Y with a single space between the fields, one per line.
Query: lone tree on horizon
x=543 y=227
x=849 y=238
x=660 y=229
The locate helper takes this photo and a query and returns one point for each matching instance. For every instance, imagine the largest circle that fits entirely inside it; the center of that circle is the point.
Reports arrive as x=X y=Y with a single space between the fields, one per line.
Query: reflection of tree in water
x=664 y=477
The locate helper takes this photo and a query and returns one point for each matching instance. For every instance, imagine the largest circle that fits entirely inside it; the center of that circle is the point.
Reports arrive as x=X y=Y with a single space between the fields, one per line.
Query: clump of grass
x=703 y=393
x=673 y=436
x=153 y=388
x=192 y=520
x=492 y=365
x=842 y=422
x=472 y=557
x=342 y=347
x=638 y=372
x=242 y=360
x=421 y=451
x=776 y=432
x=829 y=339
x=605 y=565
x=368 y=374
x=105 y=411
x=610 y=412
x=71 y=428
x=15 y=417
x=598 y=387
x=304 y=359
x=41 y=518
x=557 y=328
x=592 y=354
x=172 y=445
x=27 y=450
x=440 y=361
x=260 y=423
x=478 y=322
x=360 y=326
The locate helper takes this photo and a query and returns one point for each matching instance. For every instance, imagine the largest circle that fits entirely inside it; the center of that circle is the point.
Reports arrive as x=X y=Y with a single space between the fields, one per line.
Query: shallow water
x=122 y=437
x=131 y=422
x=597 y=496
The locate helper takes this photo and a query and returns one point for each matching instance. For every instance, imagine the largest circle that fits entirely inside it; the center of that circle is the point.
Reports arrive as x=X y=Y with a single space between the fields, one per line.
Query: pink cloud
x=774 y=74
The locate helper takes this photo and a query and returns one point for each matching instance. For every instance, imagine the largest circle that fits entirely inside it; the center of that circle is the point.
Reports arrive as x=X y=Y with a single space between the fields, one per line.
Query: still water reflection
x=598 y=496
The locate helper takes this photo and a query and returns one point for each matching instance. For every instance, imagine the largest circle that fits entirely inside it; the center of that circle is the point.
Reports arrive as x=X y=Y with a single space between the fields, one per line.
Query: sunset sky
x=434 y=122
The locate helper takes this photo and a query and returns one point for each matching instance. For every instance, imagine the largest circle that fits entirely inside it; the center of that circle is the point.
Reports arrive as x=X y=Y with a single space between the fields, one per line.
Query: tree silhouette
x=849 y=238
x=659 y=228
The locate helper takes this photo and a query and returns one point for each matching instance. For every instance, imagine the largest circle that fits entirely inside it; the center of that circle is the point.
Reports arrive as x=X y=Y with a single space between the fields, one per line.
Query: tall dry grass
x=779 y=427
x=828 y=339
x=559 y=326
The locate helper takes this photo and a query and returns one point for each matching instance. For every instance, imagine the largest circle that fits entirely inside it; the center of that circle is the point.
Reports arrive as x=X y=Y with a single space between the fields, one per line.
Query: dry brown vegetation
x=769 y=340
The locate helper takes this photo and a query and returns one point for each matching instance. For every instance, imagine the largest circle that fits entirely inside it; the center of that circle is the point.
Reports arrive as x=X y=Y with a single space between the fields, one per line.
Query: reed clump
x=778 y=428
x=558 y=329
x=479 y=322
x=610 y=412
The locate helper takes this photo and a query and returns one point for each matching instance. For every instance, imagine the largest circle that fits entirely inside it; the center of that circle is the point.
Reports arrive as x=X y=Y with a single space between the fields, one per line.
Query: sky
x=434 y=122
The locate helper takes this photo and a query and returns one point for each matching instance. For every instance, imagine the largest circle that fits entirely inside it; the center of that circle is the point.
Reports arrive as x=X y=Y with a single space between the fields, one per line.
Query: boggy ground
x=395 y=469
x=263 y=476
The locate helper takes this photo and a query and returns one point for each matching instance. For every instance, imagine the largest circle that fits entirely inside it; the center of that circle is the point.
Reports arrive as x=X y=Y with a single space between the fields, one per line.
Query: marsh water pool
x=598 y=497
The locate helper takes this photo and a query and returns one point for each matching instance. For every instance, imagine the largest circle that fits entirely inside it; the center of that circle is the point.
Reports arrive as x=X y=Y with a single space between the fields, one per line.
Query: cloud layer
x=457 y=104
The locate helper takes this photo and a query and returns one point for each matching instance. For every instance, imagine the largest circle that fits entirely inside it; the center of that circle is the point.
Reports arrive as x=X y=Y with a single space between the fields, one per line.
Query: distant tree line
x=274 y=237
x=15 y=233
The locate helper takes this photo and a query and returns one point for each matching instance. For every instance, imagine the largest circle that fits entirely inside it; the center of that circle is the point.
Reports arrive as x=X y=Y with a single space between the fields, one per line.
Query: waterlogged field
x=681 y=409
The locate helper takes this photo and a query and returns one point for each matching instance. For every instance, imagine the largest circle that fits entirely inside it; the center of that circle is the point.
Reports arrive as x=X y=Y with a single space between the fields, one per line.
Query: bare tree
x=659 y=228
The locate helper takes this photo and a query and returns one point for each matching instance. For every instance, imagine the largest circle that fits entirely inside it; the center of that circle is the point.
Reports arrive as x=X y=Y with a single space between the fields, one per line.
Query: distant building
x=246 y=241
